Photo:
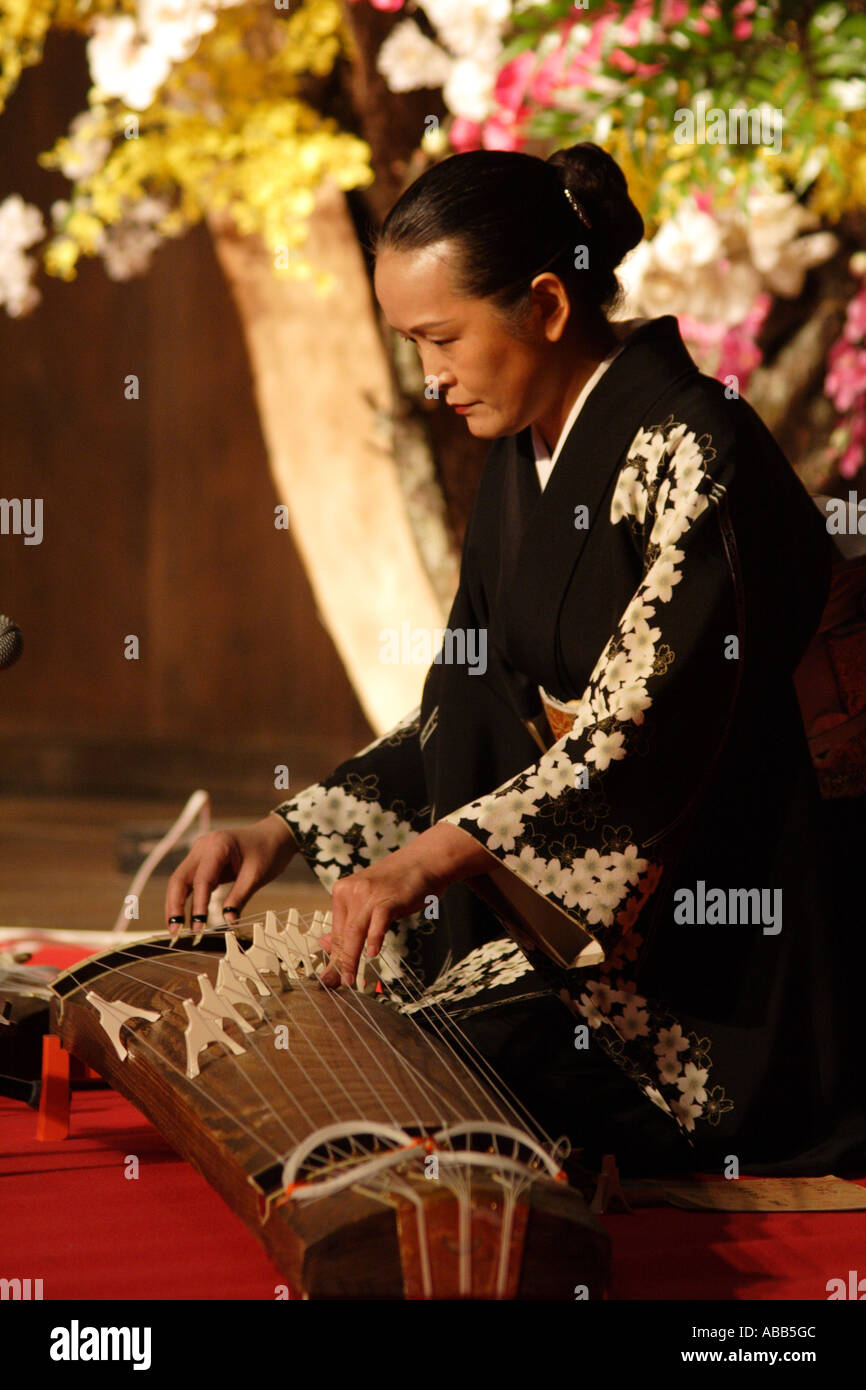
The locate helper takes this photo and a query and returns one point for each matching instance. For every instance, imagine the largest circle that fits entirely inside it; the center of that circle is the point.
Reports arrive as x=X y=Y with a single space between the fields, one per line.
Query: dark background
x=158 y=521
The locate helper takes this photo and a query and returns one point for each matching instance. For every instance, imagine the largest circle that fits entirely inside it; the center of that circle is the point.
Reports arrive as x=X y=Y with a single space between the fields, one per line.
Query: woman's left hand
x=364 y=904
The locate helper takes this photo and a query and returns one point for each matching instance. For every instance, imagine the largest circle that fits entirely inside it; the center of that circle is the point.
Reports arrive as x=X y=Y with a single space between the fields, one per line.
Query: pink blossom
x=739 y=356
x=501 y=134
x=512 y=81
x=626 y=63
x=464 y=135
x=629 y=27
x=852 y=461
x=846 y=379
x=738 y=351
x=855 y=319
x=699 y=331
x=580 y=71
x=855 y=453
x=755 y=318
x=551 y=73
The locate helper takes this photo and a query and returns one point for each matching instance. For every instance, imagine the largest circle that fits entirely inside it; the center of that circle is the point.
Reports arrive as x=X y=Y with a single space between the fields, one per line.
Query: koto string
x=347 y=1002
x=344 y=1000
x=363 y=1078
x=187 y=973
x=442 y=1021
x=193 y=1081
x=514 y=1104
x=439 y=1015
x=496 y=1083
x=436 y=1014
x=434 y=1011
x=322 y=1013
x=199 y=1085
x=163 y=989
x=423 y=1084
x=464 y=1071
x=335 y=1077
x=311 y=996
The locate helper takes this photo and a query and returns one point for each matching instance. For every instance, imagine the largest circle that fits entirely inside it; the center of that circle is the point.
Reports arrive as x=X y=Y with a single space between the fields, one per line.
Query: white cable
x=198 y=805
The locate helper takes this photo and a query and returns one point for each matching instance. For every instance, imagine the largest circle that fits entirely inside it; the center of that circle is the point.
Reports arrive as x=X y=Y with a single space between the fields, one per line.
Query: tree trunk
x=323 y=386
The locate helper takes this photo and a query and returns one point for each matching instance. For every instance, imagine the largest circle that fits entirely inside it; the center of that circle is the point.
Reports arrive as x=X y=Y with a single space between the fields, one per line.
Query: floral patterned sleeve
x=588 y=826
x=369 y=806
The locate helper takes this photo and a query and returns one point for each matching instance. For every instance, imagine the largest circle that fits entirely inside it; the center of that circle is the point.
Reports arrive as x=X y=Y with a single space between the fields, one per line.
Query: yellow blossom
x=60 y=257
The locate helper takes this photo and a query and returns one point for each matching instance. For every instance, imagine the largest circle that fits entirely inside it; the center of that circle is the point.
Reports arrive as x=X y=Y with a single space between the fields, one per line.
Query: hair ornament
x=578 y=209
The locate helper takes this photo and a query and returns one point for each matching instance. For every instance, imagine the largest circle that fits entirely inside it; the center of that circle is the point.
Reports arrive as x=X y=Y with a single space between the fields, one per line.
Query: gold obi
x=553 y=722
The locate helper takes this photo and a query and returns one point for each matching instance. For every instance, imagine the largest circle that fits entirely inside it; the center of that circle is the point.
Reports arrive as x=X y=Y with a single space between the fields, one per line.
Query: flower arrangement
x=196 y=106
x=734 y=220
x=201 y=106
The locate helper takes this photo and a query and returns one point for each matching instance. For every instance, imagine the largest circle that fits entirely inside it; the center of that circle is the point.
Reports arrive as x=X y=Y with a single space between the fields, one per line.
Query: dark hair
x=509 y=217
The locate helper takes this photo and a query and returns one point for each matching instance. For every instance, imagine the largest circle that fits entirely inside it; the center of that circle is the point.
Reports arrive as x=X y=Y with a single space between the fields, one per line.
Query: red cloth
x=71 y=1218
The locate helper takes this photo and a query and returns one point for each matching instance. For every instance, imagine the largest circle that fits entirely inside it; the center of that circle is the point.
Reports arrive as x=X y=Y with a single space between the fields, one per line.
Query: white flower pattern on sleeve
x=344 y=826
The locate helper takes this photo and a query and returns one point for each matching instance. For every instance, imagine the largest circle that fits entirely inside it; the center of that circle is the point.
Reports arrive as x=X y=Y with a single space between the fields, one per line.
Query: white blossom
x=127 y=246
x=408 y=59
x=88 y=148
x=690 y=237
x=468 y=27
x=130 y=58
x=468 y=90
x=123 y=64
x=713 y=265
x=21 y=225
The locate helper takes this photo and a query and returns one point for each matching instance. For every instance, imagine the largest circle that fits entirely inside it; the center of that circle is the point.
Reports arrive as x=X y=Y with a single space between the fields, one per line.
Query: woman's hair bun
x=598 y=185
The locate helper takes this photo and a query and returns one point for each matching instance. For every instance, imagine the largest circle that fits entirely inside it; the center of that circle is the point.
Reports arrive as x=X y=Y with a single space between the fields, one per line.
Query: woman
x=625 y=775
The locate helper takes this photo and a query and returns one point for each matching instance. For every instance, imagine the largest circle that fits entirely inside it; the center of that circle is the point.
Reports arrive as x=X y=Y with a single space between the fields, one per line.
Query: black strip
x=269 y=1179
x=123 y=957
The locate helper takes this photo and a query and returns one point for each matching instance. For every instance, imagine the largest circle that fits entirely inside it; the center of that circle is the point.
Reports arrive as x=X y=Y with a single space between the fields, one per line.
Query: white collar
x=545 y=461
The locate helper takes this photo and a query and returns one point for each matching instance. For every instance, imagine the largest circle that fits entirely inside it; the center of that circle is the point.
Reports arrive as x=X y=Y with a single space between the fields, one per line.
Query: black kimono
x=662 y=588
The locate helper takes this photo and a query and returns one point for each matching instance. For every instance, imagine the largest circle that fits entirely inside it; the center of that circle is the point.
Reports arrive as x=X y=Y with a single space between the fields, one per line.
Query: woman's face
x=472 y=353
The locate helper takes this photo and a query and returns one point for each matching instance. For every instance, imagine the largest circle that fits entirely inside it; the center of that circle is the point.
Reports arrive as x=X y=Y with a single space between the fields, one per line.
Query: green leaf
x=516 y=46
x=542 y=17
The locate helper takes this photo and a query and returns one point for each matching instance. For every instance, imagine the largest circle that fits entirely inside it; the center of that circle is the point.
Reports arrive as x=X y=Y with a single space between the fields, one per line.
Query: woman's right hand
x=249 y=858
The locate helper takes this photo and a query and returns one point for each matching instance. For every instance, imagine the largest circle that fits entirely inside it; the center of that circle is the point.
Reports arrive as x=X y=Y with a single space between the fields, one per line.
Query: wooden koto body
x=358 y=1145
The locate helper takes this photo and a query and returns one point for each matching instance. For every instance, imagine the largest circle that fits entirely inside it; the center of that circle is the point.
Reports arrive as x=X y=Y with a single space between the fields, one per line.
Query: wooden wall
x=158 y=522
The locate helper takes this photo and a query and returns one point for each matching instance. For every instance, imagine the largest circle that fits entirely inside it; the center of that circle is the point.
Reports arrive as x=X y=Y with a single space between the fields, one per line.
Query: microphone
x=10 y=641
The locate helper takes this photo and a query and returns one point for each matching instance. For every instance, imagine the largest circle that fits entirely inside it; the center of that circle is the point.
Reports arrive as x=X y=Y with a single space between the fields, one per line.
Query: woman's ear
x=551 y=304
